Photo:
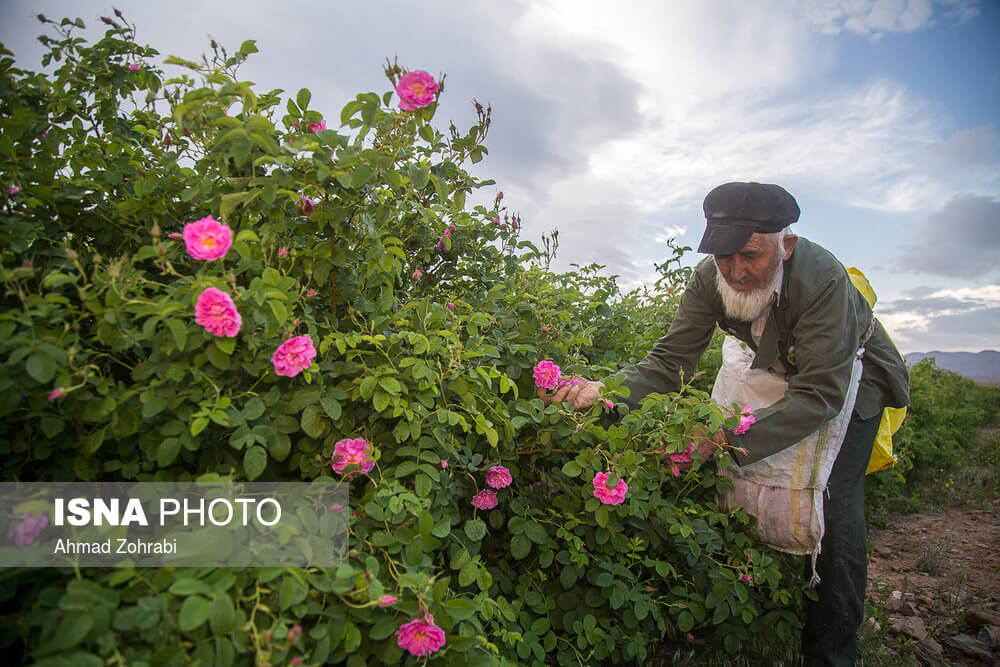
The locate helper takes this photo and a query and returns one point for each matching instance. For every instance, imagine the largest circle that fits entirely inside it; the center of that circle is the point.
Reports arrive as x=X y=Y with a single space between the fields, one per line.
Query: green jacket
x=819 y=317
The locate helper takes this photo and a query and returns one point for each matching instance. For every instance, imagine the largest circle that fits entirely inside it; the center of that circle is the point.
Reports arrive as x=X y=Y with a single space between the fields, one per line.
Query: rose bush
x=198 y=285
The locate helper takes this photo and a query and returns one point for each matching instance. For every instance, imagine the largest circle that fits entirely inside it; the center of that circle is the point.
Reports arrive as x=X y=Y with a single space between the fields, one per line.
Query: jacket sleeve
x=826 y=335
x=680 y=349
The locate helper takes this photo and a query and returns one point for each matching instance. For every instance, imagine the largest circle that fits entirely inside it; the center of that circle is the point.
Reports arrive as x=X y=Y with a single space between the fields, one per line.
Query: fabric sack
x=785 y=490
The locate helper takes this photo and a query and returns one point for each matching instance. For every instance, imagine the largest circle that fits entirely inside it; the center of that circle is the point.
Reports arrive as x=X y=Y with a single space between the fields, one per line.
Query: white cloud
x=671 y=232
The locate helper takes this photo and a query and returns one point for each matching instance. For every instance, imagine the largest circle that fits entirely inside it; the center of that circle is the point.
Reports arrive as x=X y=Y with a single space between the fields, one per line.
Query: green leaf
x=198 y=425
x=685 y=621
x=194 y=612
x=230 y=202
x=41 y=367
x=222 y=616
x=475 y=529
x=520 y=546
x=460 y=609
x=331 y=406
x=72 y=629
x=571 y=469
x=254 y=462
x=303 y=98
x=167 y=451
x=313 y=422
x=254 y=408
x=423 y=485
x=179 y=332
x=721 y=613
x=189 y=586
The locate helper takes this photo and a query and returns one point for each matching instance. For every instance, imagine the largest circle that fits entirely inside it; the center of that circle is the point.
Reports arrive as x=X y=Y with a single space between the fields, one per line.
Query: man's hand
x=582 y=394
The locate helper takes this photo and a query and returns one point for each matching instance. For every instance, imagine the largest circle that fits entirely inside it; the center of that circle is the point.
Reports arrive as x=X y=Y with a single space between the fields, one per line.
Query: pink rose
x=417 y=274
x=57 y=394
x=316 y=127
x=416 y=89
x=293 y=356
x=450 y=305
x=311 y=293
x=26 y=532
x=305 y=205
x=387 y=600
x=295 y=633
x=14 y=190
x=546 y=375
x=441 y=245
x=134 y=67
x=746 y=420
x=216 y=312
x=485 y=500
x=680 y=458
x=207 y=239
x=282 y=252
x=747 y=578
x=444 y=464
x=498 y=477
x=606 y=494
x=420 y=637
x=353 y=456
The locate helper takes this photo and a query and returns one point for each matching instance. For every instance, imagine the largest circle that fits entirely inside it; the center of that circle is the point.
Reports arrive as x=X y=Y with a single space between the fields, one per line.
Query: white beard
x=747 y=306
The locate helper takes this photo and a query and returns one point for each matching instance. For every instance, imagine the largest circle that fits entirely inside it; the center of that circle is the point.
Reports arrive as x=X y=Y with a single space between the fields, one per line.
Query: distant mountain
x=980 y=366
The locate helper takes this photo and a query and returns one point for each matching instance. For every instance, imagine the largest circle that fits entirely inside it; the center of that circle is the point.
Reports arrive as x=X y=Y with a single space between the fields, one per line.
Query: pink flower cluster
x=546 y=375
x=26 y=532
x=746 y=420
x=420 y=637
x=416 y=89
x=678 y=458
x=216 y=312
x=305 y=205
x=207 y=239
x=316 y=127
x=352 y=456
x=609 y=495
x=293 y=356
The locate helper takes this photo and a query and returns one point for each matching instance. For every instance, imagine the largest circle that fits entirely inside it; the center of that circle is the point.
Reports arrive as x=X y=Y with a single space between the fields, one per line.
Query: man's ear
x=790 y=240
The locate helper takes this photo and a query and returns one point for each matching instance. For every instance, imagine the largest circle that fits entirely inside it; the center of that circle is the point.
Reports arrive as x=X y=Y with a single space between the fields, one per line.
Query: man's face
x=753 y=266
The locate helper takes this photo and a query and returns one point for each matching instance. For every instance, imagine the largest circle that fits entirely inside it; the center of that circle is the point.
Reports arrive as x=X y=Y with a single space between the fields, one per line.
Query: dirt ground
x=940 y=565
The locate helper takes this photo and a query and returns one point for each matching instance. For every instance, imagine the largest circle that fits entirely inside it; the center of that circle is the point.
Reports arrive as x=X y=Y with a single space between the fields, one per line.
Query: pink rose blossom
x=353 y=456
x=416 y=89
x=207 y=239
x=282 y=252
x=295 y=633
x=175 y=236
x=216 y=312
x=546 y=375
x=57 y=394
x=690 y=637
x=26 y=532
x=451 y=306
x=387 y=600
x=444 y=464
x=441 y=245
x=26 y=263
x=496 y=221
x=420 y=637
x=609 y=405
x=311 y=293
x=485 y=500
x=305 y=205
x=606 y=494
x=500 y=196
x=296 y=661
x=417 y=274
x=747 y=578
x=568 y=382
x=498 y=477
x=134 y=67
x=677 y=458
x=14 y=190
x=316 y=127
x=746 y=420
x=293 y=356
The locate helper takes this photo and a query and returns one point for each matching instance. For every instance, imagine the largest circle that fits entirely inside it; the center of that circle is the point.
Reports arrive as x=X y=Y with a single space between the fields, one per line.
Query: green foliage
x=935 y=441
x=428 y=318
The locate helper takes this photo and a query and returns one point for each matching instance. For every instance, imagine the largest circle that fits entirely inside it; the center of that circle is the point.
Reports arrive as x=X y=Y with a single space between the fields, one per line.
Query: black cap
x=734 y=211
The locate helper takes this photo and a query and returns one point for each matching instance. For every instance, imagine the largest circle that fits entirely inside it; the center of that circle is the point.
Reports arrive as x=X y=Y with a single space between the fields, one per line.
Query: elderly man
x=793 y=303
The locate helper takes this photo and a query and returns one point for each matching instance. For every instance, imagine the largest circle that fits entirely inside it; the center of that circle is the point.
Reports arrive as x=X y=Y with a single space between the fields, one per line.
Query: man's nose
x=737 y=271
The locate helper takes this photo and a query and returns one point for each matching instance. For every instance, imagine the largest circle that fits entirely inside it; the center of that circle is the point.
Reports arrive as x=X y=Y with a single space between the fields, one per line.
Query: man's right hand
x=581 y=395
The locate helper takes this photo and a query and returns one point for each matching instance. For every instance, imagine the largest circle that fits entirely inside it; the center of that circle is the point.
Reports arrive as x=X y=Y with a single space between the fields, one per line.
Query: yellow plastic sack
x=892 y=418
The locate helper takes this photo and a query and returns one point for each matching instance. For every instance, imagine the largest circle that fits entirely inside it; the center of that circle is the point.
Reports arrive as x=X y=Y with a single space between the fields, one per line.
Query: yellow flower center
x=209 y=241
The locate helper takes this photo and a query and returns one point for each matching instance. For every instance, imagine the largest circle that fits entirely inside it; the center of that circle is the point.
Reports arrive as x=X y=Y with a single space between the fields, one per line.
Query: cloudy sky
x=611 y=125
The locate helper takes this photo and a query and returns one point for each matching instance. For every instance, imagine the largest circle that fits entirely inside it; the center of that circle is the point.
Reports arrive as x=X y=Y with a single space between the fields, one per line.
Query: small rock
x=911 y=626
x=896 y=595
x=870 y=626
x=989 y=635
x=970 y=646
x=930 y=651
x=924 y=601
x=978 y=616
x=904 y=607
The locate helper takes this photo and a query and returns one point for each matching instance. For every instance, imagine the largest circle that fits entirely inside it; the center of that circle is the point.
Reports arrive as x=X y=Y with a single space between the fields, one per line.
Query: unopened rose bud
x=118 y=13
x=107 y=20
x=161 y=251
x=70 y=254
x=41 y=17
x=155 y=231
x=214 y=45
